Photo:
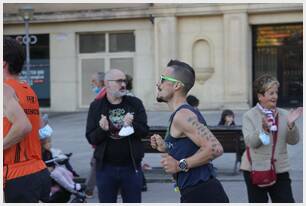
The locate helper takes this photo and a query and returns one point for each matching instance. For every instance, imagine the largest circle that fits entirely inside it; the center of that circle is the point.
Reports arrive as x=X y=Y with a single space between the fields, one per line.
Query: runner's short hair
x=183 y=72
x=14 y=55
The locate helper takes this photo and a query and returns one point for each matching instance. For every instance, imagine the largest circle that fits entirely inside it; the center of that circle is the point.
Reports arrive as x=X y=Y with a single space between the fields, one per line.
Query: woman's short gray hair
x=264 y=83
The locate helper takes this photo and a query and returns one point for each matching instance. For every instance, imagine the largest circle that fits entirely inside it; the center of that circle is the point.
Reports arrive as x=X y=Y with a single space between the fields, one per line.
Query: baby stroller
x=64 y=184
x=65 y=181
x=63 y=159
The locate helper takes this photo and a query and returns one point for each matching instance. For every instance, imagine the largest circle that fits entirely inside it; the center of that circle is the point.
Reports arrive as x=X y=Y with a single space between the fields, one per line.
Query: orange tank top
x=23 y=158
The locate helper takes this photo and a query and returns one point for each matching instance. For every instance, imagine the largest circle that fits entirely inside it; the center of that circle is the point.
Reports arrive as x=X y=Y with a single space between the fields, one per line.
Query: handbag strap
x=274 y=141
x=273 y=146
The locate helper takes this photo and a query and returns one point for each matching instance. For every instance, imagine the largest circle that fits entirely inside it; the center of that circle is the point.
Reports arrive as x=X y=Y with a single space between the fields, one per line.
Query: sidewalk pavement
x=69 y=136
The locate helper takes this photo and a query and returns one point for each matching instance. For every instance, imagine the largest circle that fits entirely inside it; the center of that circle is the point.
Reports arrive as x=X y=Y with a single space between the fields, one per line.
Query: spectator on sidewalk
x=227 y=118
x=193 y=101
x=129 y=85
x=97 y=84
x=45 y=134
x=118 y=158
x=189 y=144
x=25 y=176
x=60 y=175
x=259 y=125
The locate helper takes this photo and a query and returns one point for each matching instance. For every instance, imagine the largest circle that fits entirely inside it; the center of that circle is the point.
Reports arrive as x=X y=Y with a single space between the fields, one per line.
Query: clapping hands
x=104 y=123
x=293 y=115
x=128 y=119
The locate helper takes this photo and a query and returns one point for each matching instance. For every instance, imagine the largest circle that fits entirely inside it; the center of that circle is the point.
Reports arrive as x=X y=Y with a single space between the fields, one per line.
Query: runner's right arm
x=158 y=143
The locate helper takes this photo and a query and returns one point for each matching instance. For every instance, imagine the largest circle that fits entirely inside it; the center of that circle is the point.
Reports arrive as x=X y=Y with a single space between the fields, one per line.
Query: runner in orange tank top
x=25 y=176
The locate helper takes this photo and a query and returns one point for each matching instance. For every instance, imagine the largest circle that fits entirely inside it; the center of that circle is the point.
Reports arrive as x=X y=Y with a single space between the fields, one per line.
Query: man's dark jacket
x=98 y=137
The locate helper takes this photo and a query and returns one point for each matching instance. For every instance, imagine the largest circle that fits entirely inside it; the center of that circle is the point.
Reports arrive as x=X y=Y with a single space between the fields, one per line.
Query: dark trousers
x=210 y=191
x=111 y=178
x=29 y=189
x=279 y=192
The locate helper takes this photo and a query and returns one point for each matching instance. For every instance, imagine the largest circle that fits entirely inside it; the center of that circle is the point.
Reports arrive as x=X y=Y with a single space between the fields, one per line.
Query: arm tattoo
x=204 y=132
x=201 y=129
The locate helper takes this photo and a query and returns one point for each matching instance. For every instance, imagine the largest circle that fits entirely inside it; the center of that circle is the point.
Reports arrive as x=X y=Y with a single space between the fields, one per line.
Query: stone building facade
x=223 y=42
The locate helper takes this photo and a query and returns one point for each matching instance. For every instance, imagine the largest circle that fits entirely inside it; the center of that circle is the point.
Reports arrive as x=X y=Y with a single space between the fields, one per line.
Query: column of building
x=237 y=55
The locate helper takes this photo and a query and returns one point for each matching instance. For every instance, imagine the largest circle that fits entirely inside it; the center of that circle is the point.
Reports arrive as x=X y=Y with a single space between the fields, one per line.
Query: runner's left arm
x=12 y=110
x=210 y=148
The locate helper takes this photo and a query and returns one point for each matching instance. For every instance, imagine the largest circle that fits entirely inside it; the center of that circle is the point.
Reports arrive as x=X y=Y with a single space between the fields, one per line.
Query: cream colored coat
x=261 y=154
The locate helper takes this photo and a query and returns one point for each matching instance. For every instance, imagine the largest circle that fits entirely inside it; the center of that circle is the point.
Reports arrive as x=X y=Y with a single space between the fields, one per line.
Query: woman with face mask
x=267 y=129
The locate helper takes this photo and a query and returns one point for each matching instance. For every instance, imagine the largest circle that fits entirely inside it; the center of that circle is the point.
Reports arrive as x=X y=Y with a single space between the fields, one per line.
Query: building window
x=89 y=66
x=278 y=51
x=125 y=64
x=102 y=52
x=121 y=42
x=92 y=43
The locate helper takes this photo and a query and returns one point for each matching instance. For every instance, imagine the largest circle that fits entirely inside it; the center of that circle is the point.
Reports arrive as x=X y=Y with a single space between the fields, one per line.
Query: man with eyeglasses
x=118 y=157
x=189 y=145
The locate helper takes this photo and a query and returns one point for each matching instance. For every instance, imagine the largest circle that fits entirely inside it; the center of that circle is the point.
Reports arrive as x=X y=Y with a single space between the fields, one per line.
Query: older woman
x=259 y=125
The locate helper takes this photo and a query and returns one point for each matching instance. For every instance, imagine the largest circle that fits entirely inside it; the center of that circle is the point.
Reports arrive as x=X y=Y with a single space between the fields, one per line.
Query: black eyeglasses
x=119 y=81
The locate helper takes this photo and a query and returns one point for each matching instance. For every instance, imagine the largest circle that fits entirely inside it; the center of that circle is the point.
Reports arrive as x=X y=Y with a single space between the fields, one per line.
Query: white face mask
x=45 y=132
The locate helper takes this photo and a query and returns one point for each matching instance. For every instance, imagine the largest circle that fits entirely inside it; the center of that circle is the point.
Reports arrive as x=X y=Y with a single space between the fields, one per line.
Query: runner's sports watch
x=183 y=165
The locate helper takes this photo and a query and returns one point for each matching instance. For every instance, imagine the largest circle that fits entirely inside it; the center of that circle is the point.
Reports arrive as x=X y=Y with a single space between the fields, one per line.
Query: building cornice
x=152 y=10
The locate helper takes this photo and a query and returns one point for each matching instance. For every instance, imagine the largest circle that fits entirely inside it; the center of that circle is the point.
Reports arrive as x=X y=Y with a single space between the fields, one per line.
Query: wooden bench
x=230 y=138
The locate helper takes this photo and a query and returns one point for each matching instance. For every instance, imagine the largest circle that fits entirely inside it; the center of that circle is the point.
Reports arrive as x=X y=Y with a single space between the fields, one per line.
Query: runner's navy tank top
x=183 y=147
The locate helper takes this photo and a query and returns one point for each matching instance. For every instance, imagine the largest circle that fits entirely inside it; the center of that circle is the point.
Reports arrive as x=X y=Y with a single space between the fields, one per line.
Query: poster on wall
x=39 y=66
x=39 y=77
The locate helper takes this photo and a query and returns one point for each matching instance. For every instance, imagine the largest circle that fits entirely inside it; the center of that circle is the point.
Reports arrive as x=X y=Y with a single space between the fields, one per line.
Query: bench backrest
x=230 y=138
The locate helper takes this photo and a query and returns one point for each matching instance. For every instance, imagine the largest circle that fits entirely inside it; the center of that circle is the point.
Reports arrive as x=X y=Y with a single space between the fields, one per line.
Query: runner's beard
x=160 y=99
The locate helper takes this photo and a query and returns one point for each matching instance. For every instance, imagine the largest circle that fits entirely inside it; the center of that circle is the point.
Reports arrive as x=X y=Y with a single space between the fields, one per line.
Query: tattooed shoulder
x=193 y=120
x=202 y=130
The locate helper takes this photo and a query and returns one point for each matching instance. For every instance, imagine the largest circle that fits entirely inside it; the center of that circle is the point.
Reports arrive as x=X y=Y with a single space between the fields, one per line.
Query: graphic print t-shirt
x=117 y=150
